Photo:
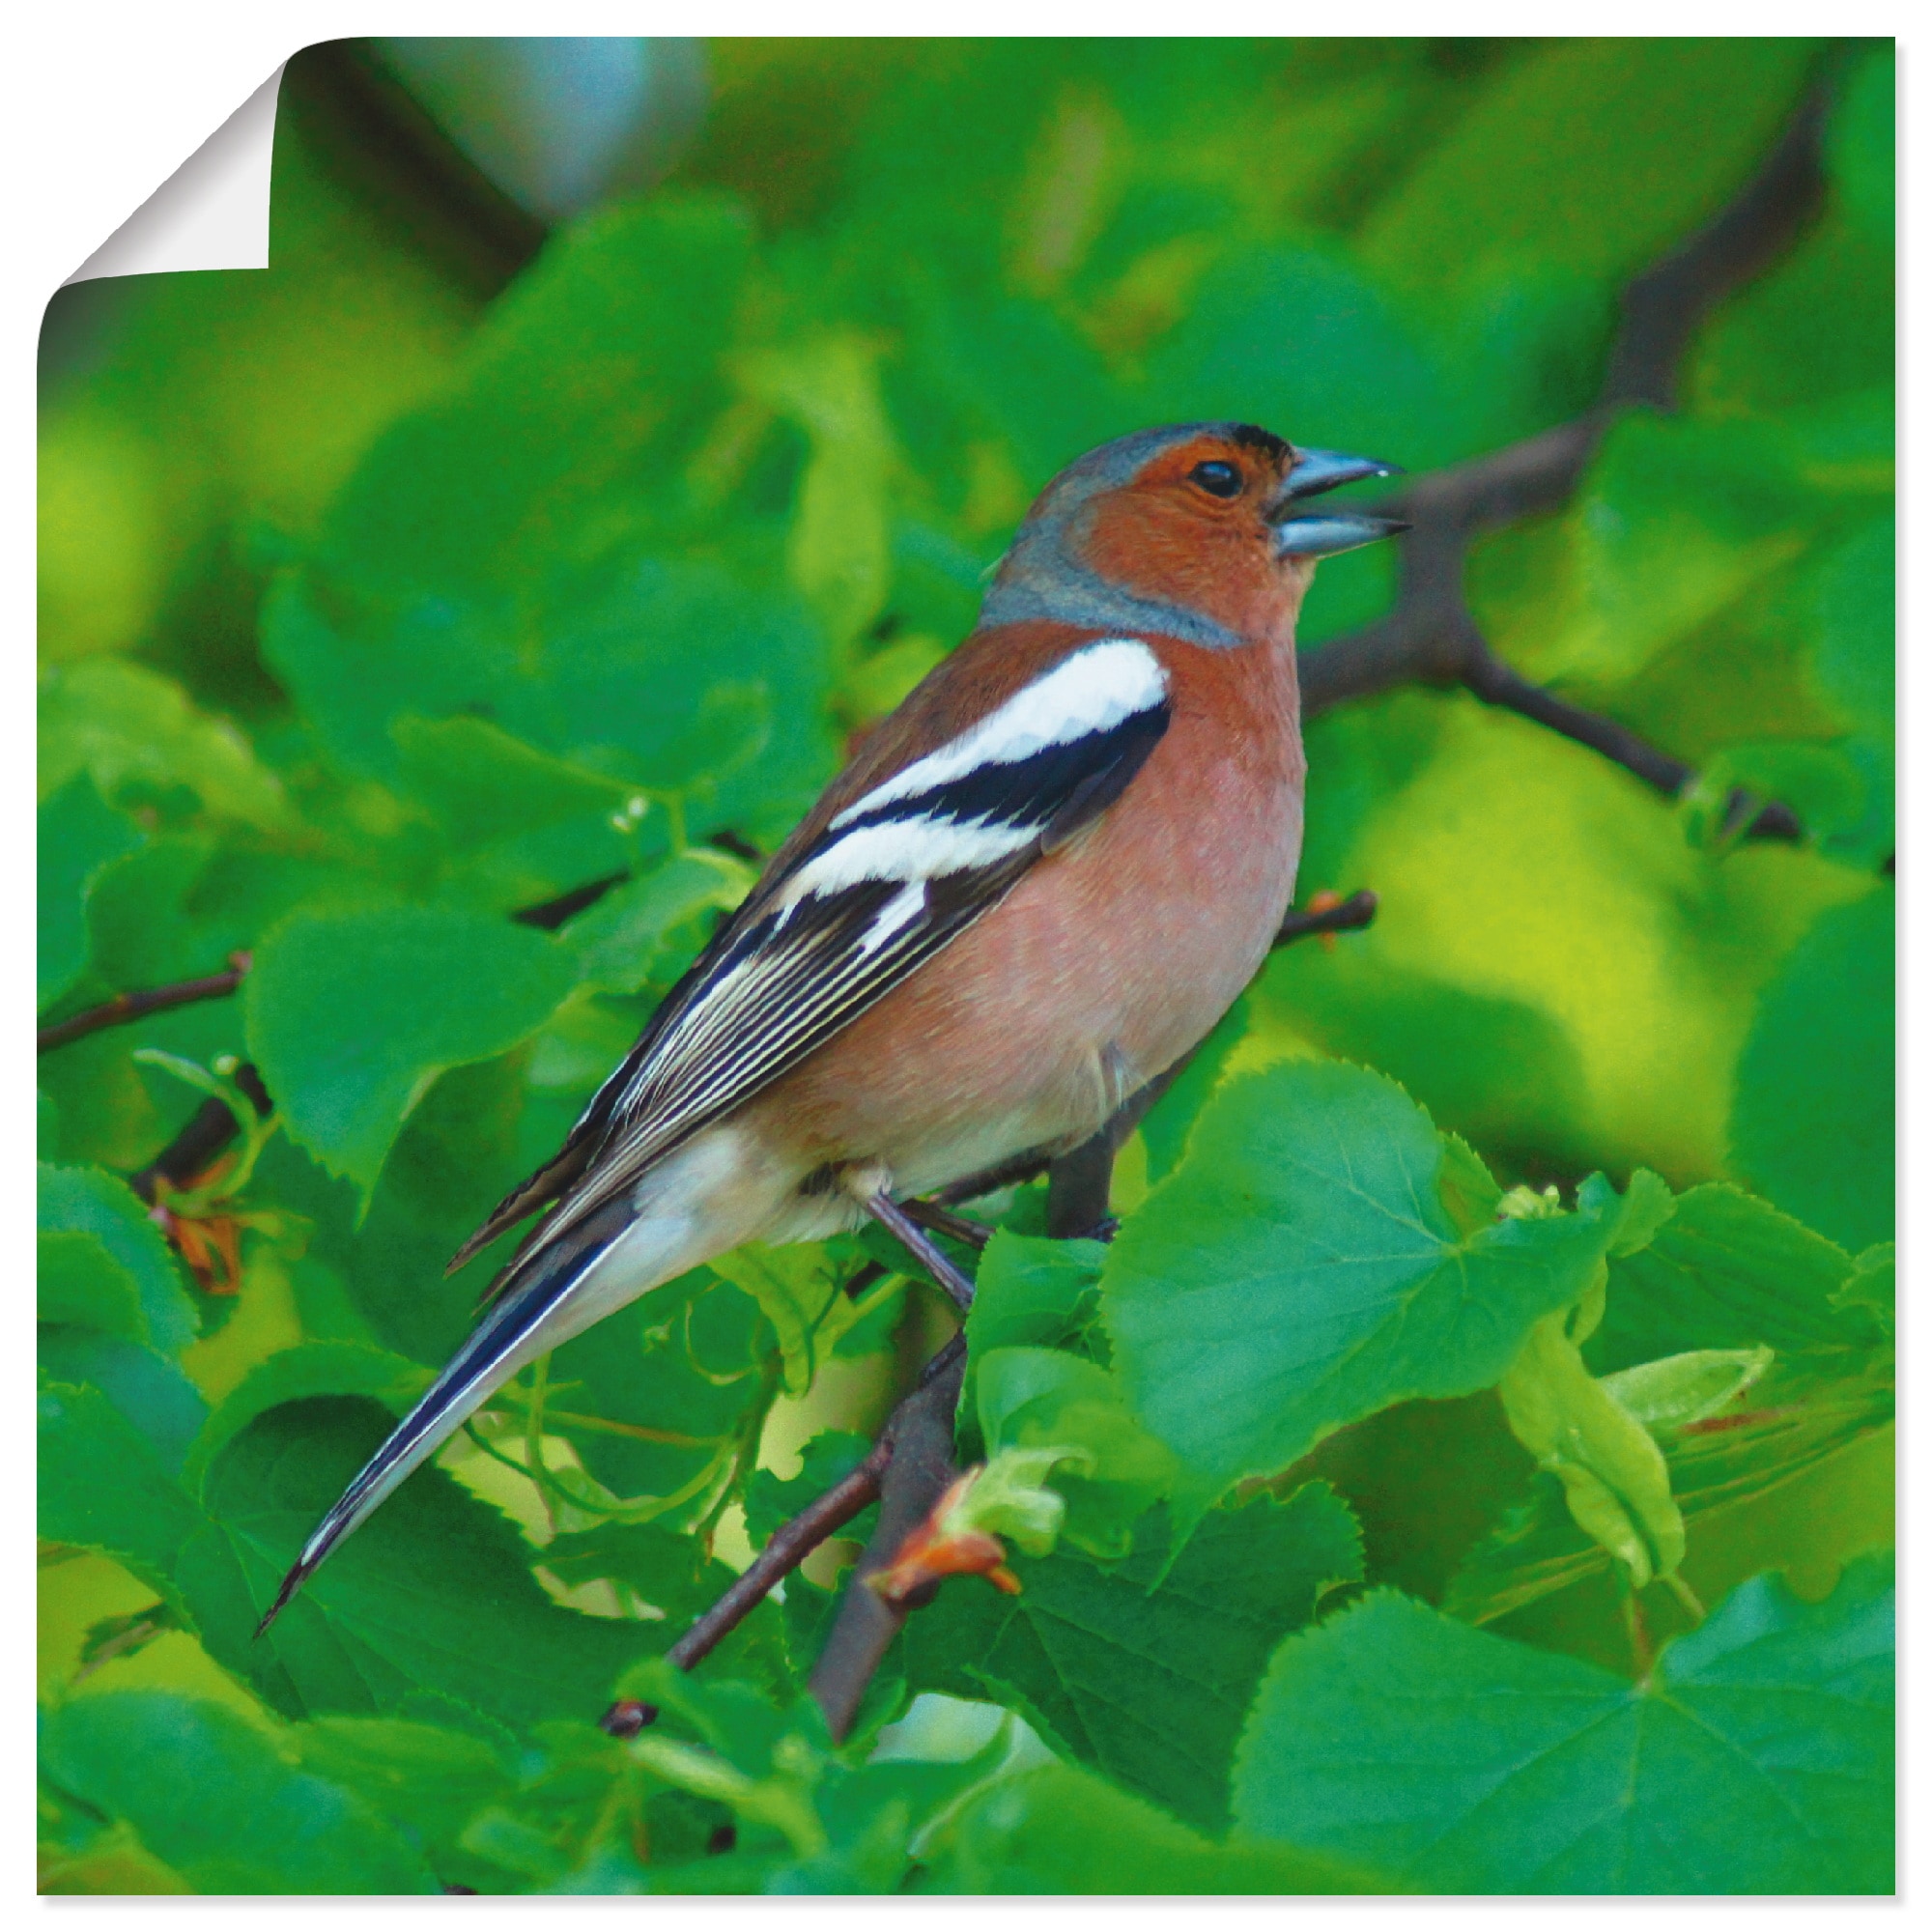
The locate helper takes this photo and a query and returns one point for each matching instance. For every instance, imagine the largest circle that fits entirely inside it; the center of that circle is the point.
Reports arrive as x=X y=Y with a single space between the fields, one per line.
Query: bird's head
x=1201 y=530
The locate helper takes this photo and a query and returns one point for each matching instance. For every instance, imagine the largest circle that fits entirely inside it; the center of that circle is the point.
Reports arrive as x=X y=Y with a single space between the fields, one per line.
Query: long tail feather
x=520 y=1326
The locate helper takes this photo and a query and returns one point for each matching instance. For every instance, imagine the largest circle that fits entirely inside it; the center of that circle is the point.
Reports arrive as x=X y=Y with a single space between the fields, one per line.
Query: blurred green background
x=607 y=442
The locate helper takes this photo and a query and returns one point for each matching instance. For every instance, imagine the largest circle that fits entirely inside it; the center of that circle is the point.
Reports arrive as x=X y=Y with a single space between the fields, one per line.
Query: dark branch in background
x=1430 y=637
x=557 y=912
x=125 y=1007
x=210 y=1129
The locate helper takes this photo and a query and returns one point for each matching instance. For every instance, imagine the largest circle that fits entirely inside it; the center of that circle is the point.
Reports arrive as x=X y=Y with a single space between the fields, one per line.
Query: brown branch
x=919 y=1472
x=1010 y=1173
x=1430 y=636
x=125 y=1007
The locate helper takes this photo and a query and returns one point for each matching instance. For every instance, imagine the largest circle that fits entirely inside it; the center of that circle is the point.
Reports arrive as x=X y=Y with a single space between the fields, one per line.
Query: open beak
x=1315 y=471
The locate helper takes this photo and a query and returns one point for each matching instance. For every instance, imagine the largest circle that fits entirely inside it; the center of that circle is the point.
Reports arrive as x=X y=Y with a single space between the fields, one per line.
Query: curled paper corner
x=211 y=212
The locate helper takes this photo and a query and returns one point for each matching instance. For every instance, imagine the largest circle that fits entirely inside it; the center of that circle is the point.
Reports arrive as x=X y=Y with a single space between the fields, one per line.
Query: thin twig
x=125 y=1007
x=1350 y=915
x=790 y=1545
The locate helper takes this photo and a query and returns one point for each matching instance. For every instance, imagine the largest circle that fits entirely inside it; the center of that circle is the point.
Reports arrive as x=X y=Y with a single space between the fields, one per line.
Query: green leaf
x=1575 y=155
x=86 y=1201
x=1756 y=1758
x=126 y=726
x=432 y=1597
x=762 y=1761
x=839 y=553
x=1057 y=1828
x=1854 y=606
x=1031 y=1293
x=1677 y=520
x=1144 y=1669
x=798 y=1289
x=1301 y=335
x=77 y=839
x=1871 y=1288
x=689 y=1359
x=1812 y=1122
x=426 y=1780
x=538 y=553
x=1041 y=1398
x=483 y=783
x=293 y=1374
x=1728 y=1271
x=618 y=940
x=1691 y=1387
x=827 y=1460
x=1613 y=1474
x=1860 y=145
x=847 y=1827
x=218 y=1799
x=1797 y=1474
x=81 y=1282
x=148 y=1389
x=353 y=1015
x=1300 y=1269
x=638 y=305
x=671 y=1573
x=1758 y=1481
x=103 y=1486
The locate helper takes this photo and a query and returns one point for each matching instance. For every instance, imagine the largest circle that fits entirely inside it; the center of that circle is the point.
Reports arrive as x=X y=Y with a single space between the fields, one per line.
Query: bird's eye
x=1218 y=479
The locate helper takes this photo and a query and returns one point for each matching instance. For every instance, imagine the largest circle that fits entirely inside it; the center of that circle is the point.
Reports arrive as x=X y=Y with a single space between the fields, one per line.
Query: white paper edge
x=211 y=212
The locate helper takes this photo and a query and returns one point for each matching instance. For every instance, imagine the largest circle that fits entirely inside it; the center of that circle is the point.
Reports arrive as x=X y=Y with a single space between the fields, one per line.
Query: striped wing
x=890 y=880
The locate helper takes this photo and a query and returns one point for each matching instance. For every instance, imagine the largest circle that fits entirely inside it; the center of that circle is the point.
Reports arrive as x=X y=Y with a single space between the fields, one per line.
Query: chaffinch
x=1036 y=886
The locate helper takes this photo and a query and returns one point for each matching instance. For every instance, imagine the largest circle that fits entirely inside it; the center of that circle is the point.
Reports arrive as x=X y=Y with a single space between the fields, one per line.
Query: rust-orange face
x=1209 y=521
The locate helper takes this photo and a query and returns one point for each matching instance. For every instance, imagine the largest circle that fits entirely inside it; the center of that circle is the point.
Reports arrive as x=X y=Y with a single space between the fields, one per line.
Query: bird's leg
x=871 y=1188
x=938 y=1219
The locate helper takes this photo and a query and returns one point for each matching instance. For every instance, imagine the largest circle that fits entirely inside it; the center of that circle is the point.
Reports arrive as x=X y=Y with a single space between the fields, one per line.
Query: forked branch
x=1430 y=637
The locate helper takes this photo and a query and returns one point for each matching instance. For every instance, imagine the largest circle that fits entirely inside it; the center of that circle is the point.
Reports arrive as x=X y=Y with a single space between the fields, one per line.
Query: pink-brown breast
x=1106 y=962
